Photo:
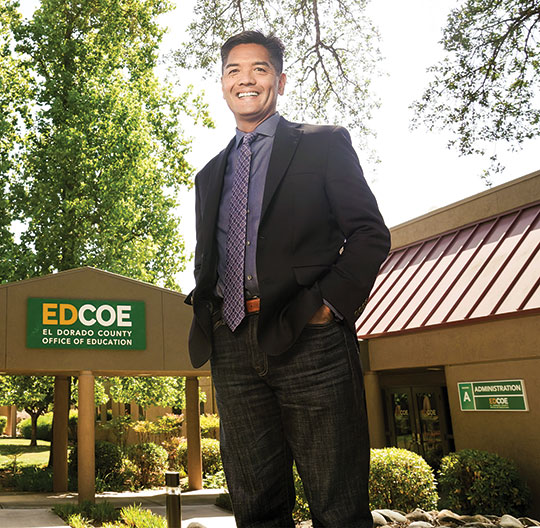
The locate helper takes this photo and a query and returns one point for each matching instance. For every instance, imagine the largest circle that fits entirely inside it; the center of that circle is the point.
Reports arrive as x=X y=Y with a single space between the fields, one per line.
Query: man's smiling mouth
x=241 y=95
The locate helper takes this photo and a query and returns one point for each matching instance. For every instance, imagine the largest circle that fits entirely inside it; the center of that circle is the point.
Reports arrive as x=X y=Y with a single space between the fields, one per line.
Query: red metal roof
x=487 y=269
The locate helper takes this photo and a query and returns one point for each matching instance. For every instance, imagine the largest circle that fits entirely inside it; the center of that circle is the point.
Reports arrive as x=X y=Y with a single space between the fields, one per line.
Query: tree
x=14 y=93
x=34 y=394
x=101 y=155
x=331 y=52
x=104 y=156
x=486 y=88
x=147 y=391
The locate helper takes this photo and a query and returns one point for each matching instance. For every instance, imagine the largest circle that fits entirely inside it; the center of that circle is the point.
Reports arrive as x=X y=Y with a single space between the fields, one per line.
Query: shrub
x=211 y=456
x=151 y=463
x=174 y=453
x=209 y=425
x=473 y=481
x=79 y=514
x=32 y=478
x=169 y=425
x=108 y=462
x=44 y=427
x=216 y=481
x=400 y=480
x=3 y=423
x=135 y=517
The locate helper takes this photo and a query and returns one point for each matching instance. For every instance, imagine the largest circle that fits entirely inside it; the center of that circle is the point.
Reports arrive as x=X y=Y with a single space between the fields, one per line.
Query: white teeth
x=247 y=94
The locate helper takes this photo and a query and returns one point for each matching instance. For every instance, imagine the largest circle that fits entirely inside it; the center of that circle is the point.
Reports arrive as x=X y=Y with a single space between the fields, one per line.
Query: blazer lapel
x=211 y=205
x=285 y=143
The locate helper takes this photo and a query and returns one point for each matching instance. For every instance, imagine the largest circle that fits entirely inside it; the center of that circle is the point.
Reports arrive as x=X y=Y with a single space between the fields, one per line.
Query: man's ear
x=281 y=83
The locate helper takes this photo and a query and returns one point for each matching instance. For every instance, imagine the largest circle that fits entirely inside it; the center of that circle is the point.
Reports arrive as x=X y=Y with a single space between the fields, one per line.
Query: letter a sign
x=466 y=399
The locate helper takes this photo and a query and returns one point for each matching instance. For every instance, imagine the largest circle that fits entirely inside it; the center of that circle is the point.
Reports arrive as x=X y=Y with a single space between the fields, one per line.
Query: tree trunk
x=33 y=439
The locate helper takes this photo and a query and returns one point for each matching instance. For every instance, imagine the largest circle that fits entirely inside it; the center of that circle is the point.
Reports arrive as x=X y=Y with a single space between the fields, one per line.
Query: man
x=289 y=242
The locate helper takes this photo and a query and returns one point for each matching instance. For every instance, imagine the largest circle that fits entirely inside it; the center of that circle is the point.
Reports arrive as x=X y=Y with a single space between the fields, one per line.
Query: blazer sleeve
x=367 y=240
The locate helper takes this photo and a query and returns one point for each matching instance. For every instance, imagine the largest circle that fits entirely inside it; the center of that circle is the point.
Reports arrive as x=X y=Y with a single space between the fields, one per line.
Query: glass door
x=416 y=418
x=428 y=405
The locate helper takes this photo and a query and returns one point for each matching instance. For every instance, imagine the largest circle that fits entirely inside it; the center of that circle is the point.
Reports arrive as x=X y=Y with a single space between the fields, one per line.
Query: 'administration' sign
x=76 y=323
x=506 y=395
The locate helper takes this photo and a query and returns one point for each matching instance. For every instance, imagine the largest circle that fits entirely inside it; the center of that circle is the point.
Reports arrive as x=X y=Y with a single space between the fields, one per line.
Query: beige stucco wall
x=505 y=197
x=501 y=339
x=492 y=350
x=512 y=434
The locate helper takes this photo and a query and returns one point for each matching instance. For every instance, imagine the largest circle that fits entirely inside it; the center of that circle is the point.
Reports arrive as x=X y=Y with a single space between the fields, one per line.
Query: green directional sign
x=466 y=397
x=503 y=395
x=91 y=324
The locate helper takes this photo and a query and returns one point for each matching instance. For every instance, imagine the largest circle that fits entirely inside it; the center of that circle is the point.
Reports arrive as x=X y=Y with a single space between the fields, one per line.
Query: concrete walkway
x=33 y=510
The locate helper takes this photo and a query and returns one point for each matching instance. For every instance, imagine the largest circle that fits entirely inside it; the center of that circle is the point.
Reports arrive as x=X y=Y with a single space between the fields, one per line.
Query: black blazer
x=321 y=236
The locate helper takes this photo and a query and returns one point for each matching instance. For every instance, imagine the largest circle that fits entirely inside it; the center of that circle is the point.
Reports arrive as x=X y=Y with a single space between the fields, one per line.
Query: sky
x=417 y=173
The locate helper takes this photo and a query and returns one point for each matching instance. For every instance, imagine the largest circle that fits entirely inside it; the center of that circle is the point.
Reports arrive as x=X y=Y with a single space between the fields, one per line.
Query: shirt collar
x=266 y=128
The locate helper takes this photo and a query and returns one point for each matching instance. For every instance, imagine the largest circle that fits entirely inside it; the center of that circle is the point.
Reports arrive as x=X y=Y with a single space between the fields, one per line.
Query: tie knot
x=249 y=138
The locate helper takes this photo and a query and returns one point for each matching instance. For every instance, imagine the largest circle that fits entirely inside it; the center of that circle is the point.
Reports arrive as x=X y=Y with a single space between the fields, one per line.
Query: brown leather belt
x=253 y=305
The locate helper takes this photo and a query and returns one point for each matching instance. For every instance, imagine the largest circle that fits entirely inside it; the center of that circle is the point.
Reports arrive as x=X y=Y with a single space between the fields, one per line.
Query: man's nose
x=246 y=77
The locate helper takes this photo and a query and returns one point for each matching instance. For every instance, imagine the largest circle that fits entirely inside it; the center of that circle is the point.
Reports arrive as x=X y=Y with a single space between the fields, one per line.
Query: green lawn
x=35 y=456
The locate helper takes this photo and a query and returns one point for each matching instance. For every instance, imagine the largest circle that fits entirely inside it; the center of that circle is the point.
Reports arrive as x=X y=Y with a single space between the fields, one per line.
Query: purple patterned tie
x=233 y=295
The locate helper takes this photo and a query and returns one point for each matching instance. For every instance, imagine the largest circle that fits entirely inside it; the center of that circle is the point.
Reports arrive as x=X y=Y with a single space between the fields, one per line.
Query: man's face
x=251 y=85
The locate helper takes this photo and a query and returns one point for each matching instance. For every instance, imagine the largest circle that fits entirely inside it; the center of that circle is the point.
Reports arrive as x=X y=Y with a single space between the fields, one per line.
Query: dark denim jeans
x=306 y=405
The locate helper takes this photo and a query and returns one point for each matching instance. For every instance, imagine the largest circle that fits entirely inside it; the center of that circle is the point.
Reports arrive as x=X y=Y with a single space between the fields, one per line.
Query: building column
x=193 y=425
x=103 y=413
x=60 y=433
x=11 y=425
x=375 y=409
x=86 y=438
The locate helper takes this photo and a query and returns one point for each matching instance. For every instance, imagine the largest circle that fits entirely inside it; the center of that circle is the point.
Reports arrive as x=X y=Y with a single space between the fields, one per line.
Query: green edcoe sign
x=505 y=395
x=77 y=323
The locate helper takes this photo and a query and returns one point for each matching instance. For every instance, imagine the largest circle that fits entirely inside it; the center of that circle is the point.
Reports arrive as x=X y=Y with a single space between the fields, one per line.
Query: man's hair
x=272 y=43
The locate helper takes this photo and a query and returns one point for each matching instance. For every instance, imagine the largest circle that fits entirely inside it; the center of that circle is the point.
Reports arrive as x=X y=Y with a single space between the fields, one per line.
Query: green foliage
x=3 y=423
x=14 y=94
x=331 y=53
x=80 y=514
x=32 y=478
x=209 y=425
x=301 y=508
x=109 y=459
x=485 y=89
x=165 y=391
x=34 y=394
x=119 y=427
x=150 y=461
x=135 y=517
x=215 y=481
x=211 y=456
x=44 y=427
x=92 y=149
x=400 y=480
x=473 y=481
x=78 y=521
x=176 y=449
x=168 y=427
